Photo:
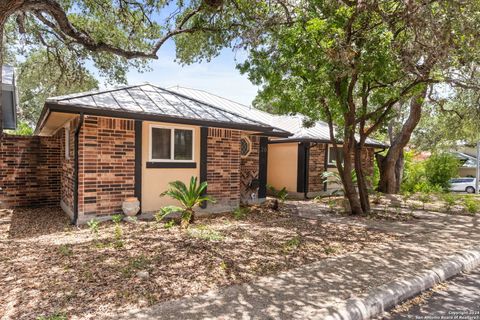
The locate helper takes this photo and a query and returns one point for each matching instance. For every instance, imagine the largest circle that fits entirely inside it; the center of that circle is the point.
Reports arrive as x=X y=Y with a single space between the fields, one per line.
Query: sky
x=219 y=76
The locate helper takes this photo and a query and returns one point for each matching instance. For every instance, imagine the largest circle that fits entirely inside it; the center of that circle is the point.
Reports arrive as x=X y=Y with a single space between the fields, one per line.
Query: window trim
x=330 y=147
x=249 y=142
x=67 y=141
x=172 y=143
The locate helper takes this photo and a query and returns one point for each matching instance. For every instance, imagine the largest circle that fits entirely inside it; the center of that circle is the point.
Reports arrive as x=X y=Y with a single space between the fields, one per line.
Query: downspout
x=75 y=171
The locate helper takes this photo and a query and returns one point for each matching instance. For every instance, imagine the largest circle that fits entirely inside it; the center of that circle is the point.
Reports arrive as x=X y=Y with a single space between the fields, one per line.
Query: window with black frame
x=332 y=155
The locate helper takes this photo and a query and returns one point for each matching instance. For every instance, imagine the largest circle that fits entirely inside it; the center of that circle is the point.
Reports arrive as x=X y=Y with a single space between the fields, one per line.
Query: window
x=171 y=144
x=67 y=142
x=245 y=147
x=332 y=155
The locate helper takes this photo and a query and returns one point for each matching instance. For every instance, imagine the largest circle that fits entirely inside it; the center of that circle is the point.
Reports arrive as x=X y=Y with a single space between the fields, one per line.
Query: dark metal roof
x=319 y=132
x=149 y=102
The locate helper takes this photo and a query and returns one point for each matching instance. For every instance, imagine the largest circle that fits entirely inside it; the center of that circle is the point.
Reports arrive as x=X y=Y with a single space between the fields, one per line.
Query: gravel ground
x=48 y=267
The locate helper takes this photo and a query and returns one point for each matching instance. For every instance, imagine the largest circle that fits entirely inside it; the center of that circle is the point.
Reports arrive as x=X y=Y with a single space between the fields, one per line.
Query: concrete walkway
x=310 y=291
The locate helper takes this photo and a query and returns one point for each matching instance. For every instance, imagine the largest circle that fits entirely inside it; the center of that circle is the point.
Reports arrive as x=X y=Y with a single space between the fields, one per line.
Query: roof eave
x=53 y=106
x=288 y=140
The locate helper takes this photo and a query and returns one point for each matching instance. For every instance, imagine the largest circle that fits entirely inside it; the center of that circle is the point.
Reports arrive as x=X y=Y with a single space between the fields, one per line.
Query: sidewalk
x=310 y=291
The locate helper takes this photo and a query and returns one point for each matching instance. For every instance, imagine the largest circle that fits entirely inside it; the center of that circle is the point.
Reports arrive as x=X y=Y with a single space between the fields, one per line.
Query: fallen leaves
x=48 y=266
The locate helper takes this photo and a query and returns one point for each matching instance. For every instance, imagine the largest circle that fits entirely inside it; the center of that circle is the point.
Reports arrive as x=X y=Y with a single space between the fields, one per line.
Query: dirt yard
x=51 y=270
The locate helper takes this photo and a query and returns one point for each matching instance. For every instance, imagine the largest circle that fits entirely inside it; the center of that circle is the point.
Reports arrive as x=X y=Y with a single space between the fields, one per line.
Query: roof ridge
x=95 y=92
x=215 y=107
x=230 y=100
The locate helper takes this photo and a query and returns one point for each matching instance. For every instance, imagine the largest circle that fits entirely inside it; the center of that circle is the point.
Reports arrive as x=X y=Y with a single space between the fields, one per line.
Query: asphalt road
x=460 y=300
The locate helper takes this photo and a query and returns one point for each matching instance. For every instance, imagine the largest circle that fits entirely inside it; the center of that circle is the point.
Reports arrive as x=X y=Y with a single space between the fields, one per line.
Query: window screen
x=161 y=144
x=183 y=144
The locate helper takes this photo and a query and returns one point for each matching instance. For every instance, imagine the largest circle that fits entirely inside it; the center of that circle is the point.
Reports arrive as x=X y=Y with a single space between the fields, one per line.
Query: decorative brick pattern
x=29 y=171
x=223 y=169
x=106 y=166
x=316 y=166
x=249 y=166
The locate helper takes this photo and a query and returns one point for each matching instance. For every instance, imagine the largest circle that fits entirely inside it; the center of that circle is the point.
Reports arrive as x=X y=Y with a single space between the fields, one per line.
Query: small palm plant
x=189 y=197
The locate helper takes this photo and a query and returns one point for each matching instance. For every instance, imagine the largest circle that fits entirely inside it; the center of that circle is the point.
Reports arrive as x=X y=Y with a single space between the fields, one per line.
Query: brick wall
x=316 y=166
x=249 y=166
x=368 y=157
x=106 y=166
x=223 y=169
x=317 y=161
x=29 y=171
x=67 y=165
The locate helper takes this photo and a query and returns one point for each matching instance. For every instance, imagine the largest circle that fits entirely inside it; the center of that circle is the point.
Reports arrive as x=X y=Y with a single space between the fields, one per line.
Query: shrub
x=449 y=200
x=189 y=197
x=424 y=198
x=117 y=231
x=169 y=224
x=471 y=205
x=93 y=225
x=281 y=194
x=241 y=213
x=431 y=175
x=413 y=175
x=440 y=168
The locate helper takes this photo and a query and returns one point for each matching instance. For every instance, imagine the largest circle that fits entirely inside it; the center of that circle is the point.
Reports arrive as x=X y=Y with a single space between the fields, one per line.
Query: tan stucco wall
x=282 y=166
x=466 y=172
x=155 y=180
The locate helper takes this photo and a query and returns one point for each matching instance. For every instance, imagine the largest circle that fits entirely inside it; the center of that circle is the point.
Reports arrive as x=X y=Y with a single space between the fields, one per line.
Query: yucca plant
x=189 y=197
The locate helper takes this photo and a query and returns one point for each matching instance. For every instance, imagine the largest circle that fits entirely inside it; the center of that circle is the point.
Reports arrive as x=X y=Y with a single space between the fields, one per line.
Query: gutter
x=75 y=171
x=65 y=108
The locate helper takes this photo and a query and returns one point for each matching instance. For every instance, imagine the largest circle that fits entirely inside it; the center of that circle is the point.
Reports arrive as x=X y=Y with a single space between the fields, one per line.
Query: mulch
x=48 y=267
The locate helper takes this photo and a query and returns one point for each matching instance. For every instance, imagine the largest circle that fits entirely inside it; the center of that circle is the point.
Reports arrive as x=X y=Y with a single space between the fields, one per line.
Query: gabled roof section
x=291 y=123
x=150 y=102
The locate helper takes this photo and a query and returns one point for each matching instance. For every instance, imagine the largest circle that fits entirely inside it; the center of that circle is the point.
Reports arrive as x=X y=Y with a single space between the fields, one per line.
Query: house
x=298 y=161
x=468 y=164
x=134 y=140
x=92 y=150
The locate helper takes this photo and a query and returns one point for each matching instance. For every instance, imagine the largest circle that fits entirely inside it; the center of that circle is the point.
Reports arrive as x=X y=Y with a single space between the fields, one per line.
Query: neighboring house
x=9 y=98
x=296 y=162
x=92 y=150
x=468 y=167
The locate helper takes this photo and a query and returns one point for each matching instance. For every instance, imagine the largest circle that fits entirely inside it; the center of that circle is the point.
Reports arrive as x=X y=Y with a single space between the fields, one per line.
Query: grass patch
x=135 y=264
x=241 y=213
x=55 y=316
x=65 y=250
x=205 y=232
x=292 y=244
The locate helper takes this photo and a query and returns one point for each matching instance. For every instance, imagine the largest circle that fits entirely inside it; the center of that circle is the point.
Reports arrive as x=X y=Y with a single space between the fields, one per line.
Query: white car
x=463 y=184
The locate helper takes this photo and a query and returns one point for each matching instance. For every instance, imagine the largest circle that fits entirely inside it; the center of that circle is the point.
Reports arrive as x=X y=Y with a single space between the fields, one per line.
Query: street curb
x=388 y=295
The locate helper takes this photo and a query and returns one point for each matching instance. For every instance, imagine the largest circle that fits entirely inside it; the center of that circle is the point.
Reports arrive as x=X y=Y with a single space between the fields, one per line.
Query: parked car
x=463 y=184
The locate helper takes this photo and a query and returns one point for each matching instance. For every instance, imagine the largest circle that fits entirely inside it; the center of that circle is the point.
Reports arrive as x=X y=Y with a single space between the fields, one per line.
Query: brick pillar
x=223 y=167
x=106 y=166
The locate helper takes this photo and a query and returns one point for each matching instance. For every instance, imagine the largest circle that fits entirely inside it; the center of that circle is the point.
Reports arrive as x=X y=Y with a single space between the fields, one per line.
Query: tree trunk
x=348 y=185
x=389 y=166
x=361 y=181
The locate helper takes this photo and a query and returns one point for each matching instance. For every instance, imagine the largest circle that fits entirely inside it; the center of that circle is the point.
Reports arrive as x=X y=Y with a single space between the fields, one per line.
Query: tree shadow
x=22 y=223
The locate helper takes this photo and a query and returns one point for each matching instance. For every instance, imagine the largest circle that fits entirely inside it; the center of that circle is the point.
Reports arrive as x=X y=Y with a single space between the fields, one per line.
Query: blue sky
x=218 y=76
